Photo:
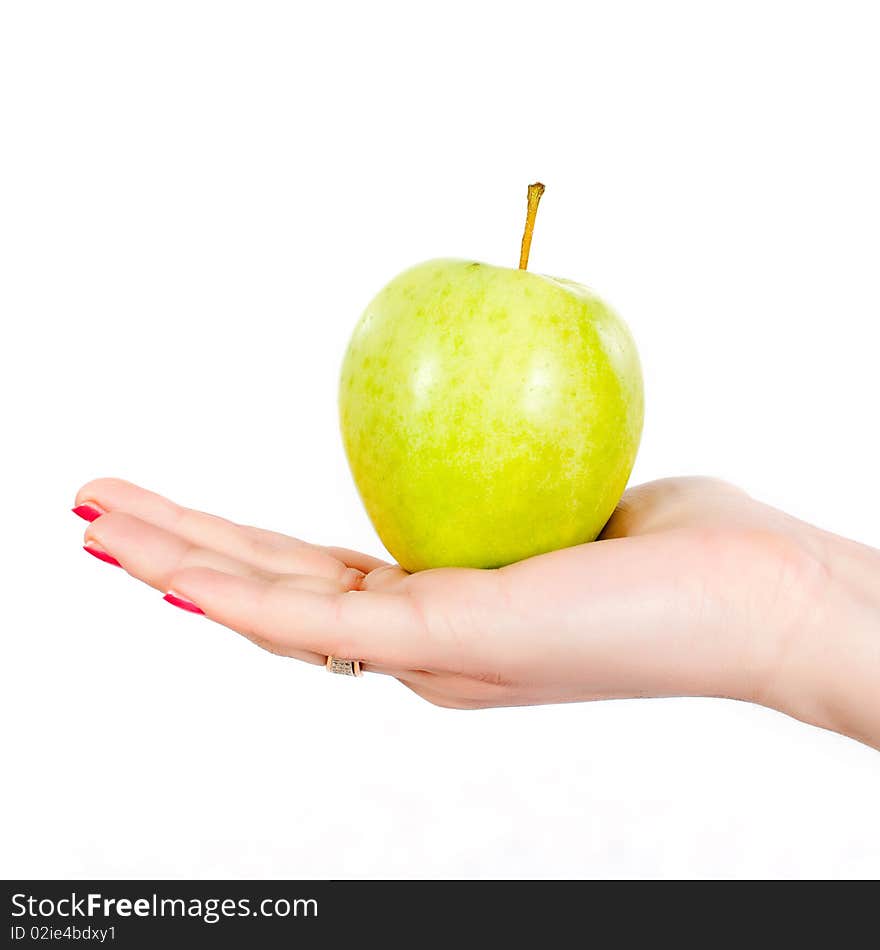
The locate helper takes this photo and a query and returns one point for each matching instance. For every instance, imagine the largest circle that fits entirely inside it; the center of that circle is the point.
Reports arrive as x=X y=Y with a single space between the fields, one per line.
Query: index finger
x=268 y=550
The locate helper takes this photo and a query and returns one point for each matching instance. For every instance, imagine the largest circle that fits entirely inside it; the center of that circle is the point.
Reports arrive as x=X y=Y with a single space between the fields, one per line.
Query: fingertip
x=88 y=511
x=197 y=584
x=175 y=599
x=111 y=526
x=99 y=491
x=95 y=549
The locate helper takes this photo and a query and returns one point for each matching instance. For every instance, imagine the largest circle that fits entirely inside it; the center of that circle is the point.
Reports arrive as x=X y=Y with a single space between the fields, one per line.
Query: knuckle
x=718 y=485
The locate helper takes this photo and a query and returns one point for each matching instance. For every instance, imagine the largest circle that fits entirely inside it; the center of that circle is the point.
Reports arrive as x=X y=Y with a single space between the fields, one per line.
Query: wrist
x=828 y=670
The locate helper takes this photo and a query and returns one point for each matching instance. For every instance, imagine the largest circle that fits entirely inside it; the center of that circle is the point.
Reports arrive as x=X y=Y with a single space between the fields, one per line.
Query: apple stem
x=535 y=192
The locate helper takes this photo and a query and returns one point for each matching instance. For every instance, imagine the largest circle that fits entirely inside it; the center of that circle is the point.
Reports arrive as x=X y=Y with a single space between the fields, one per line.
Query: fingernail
x=100 y=553
x=87 y=512
x=182 y=602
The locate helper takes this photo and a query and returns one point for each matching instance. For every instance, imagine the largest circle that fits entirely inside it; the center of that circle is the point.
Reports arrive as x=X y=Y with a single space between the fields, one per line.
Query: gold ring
x=344 y=667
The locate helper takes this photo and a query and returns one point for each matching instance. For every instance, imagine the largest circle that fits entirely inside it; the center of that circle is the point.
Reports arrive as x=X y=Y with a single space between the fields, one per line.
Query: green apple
x=488 y=413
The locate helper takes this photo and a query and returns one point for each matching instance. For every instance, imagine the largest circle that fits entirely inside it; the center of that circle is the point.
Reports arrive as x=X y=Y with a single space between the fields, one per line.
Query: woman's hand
x=693 y=589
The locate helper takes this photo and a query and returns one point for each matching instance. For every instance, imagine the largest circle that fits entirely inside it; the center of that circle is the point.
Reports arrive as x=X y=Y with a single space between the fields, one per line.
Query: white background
x=198 y=199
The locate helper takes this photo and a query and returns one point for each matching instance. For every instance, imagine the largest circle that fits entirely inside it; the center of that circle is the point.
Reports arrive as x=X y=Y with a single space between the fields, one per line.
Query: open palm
x=676 y=598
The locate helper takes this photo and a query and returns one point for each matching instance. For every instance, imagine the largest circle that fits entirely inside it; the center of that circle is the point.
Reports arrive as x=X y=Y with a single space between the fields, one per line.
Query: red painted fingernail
x=87 y=512
x=182 y=602
x=100 y=554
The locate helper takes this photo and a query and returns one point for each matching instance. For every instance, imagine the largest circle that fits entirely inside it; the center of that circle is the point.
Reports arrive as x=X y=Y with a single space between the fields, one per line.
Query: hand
x=693 y=589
